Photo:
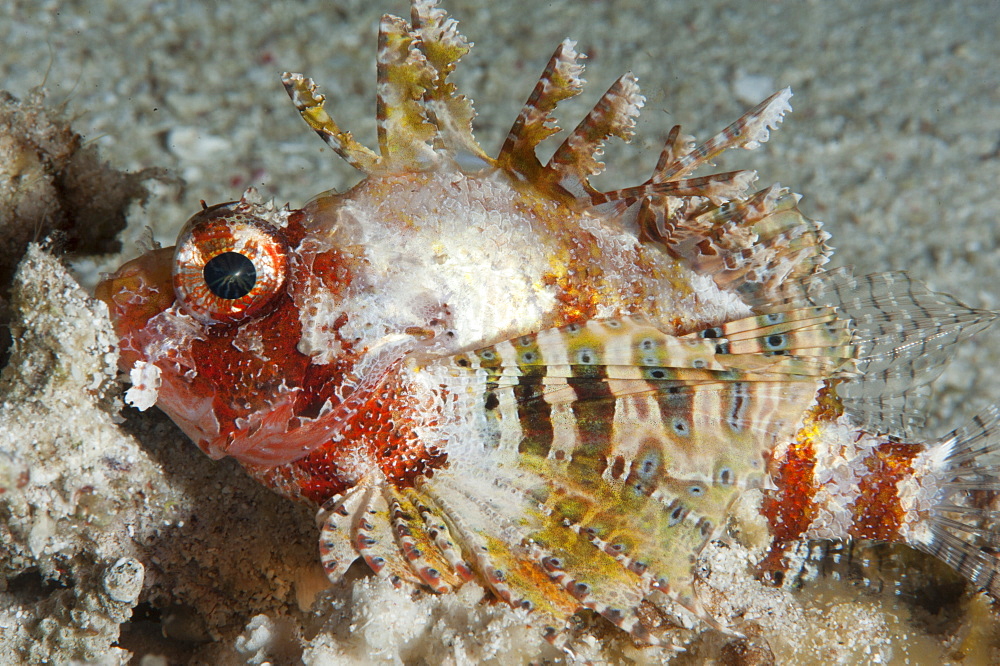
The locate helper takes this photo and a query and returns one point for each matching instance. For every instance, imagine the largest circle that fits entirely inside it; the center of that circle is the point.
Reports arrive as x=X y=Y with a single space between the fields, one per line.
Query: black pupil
x=230 y=275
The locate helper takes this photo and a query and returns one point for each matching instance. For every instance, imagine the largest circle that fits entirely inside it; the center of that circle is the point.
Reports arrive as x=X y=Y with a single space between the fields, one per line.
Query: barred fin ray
x=376 y=521
x=748 y=132
x=499 y=559
x=419 y=549
x=658 y=216
x=675 y=147
x=716 y=221
x=717 y=188
x=592 y=576
x=544 y=546
x=438 y=531
x=648 y=521
x=336 y=521
x=668 y=180
x=404 y=132
x=310 y=106
x=373 y=537
x=560 y=80
x=575 y=160
x=760 y=247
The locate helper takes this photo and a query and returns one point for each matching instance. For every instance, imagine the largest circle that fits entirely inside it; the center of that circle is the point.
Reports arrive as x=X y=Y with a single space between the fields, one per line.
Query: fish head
x=211 y=330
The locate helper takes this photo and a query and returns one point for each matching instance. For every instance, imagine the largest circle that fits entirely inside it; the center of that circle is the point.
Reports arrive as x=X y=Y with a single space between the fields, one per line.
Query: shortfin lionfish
x=486 y=369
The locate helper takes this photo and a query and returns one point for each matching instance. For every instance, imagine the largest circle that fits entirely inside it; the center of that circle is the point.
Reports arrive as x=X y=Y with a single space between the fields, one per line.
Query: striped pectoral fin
x=685 y=517
x=398 y=536
x=902 y=334
x=336 y=523
x=623 y=448
x=499 y=552
x=612 y=482
x=594 y=394
x=592 y=575
x=437 y=532
x=634 y=349
x=652 y=526
x=906 y=334
x=535 y=558
x=806 y=342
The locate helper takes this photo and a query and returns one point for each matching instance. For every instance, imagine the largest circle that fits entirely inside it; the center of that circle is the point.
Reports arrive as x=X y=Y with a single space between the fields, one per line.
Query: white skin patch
x=840 y=456
x=919 y=492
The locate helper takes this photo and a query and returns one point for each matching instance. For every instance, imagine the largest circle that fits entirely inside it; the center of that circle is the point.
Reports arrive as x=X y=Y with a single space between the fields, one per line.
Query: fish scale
x=487 y=369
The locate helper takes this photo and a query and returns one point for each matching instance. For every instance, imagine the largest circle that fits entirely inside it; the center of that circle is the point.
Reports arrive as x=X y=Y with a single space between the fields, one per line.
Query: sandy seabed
x=119 y=537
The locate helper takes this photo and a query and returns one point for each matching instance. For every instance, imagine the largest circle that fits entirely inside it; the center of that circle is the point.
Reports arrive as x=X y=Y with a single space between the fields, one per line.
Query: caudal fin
x=962 y=527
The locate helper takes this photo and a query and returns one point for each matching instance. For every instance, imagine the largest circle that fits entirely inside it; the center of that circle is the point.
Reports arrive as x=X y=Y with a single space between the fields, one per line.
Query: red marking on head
x=245 y=367
x=877 y=512
x=380 y=431
x=333 y=269
x=385 y=424
x=135 y=293
x=236 y=382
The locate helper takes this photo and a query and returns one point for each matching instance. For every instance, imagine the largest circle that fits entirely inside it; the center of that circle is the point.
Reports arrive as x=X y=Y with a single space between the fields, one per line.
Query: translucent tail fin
x=962 y=528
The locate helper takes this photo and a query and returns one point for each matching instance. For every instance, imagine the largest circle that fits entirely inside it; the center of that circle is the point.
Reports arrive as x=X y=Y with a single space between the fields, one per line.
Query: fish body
x=483 y=368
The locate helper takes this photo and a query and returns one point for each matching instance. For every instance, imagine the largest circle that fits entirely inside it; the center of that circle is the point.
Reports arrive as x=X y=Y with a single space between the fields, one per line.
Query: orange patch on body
x=790 y=509
x=877 y=511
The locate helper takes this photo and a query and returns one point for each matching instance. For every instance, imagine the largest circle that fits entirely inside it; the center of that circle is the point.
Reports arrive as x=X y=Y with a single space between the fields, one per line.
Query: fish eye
x=229 y=265
x=230 y=275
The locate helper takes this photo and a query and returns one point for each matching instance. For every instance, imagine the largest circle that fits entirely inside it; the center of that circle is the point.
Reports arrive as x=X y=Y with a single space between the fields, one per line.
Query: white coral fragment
x=145 y=379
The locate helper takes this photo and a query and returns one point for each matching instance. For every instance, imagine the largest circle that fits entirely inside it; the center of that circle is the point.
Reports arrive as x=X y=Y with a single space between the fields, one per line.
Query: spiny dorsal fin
x=560 y=80
x=749 y=131
x=676 y=146
x=759 y=247
x=444 y=46
x=404 y=134
x=717 y=188
x=613 y=115
x=310 y=105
